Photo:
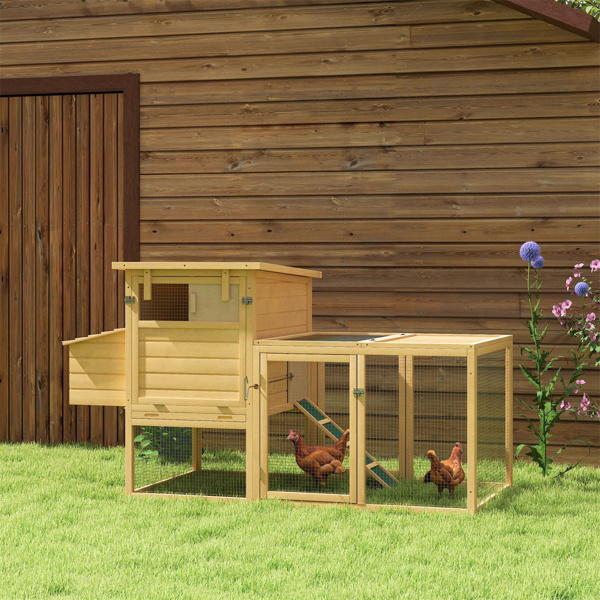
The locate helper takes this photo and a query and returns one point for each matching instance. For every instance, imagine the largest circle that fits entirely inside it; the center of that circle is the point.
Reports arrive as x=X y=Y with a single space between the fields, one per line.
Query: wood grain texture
x=269 y=19
x=407 y=149
x=49 y=188
x=4 y=269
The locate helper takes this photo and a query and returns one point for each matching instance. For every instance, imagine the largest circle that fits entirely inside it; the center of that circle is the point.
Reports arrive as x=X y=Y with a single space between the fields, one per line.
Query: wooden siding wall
x=406 y=149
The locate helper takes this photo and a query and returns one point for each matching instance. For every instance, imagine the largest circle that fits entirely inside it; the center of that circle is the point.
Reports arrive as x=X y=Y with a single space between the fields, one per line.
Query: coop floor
x=227 y=478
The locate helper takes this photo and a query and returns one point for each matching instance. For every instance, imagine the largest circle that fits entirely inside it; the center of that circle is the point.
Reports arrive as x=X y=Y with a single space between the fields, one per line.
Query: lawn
x=69 y=531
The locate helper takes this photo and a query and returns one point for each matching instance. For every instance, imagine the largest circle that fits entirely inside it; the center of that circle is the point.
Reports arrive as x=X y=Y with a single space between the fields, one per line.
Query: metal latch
x=358 y=391
x=247 y=300
x=129 y=299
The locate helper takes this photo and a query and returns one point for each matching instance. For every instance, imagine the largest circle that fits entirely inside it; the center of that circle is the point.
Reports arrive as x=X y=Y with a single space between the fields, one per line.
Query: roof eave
x=560 y=15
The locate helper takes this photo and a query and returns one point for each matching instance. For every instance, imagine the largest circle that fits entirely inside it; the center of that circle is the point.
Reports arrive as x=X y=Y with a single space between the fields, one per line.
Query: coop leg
x=129 y=454
x=196 y=449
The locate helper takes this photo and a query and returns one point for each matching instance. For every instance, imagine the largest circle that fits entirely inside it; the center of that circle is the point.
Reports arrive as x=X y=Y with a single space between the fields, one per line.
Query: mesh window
x=440 y=421
x=185 y=460
x=491 y=424
x=170 y=302
x=309 y=400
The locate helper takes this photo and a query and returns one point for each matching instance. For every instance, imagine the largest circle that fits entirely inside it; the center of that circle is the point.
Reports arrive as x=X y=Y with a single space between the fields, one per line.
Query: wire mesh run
x=190 y=461
x=439 y=398
x=309 y=419
x=414 y=406
x=491 y=424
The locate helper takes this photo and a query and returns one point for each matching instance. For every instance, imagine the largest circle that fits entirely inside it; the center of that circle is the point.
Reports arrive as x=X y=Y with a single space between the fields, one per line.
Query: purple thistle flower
x=537 y=263
x=529 y=251
x=582 y=288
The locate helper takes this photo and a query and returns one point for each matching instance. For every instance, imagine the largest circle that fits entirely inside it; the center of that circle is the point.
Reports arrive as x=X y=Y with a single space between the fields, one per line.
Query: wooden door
x=61 y=225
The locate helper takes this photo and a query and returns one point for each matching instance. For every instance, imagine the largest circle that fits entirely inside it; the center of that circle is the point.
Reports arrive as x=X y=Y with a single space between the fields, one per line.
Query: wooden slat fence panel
x=62 y=191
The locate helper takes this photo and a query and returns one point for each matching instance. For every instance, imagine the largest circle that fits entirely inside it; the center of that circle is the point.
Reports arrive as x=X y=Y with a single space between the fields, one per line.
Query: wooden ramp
x=384 y=477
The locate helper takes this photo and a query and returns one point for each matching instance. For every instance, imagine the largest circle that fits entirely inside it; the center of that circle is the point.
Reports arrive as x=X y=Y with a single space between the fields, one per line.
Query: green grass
x=68 y=531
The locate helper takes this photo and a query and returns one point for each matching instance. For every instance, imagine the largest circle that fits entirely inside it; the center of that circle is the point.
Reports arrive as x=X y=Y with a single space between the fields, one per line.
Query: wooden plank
x=450 y=279
x=70 y=251
x=23 y=9
x=188 y=334
x=209 y=45
x=78 y=364
x=15 y=282
x=259 y=19
x=97 y=399
x=96 y=241
x=170 y=365
x=483 y=83
x=189 y=349
x=400 y=158
x=352 y=135
x=110 y=242
x=83 y=239
x=98 y=381
x=55 y=299
x=371 y=254
x=487 y=58
x=342 y=206
x=347 y=110
x=4 y=270
x=397 y=230
x=42 y=270
x=282 y=136
x=581 y=180
x=446 y=35
x=29 y=235
x=201 y=381
x=99 y=351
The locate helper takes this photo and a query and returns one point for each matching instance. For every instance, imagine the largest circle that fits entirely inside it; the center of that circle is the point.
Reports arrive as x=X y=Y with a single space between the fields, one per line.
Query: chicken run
x=228 y=393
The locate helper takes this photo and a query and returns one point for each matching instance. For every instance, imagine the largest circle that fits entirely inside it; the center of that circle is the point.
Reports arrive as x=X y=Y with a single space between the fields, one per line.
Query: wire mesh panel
x=186 y=460
x=491 y=424
x=169 y=302
x=386 y=481
x=308 y=427
x=439 y=400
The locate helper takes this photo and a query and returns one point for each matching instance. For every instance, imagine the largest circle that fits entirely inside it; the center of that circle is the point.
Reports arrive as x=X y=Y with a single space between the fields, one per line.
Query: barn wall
x=406 y=149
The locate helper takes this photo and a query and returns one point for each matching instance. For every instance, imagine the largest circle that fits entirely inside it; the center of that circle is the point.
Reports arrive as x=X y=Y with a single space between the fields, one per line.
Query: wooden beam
x=560 y=15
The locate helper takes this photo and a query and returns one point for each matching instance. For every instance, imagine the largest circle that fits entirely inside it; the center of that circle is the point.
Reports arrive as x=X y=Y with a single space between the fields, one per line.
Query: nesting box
x=182 y=363
x=225 y=386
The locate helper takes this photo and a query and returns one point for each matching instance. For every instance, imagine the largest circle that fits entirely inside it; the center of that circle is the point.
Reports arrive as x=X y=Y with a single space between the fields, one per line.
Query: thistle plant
x=552 y=389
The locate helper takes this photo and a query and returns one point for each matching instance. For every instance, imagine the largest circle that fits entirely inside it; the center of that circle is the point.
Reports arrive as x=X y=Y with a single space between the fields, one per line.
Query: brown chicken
x=320 y=461
x=446 y=474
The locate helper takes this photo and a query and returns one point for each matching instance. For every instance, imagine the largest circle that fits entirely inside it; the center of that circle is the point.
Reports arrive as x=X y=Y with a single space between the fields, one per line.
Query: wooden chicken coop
x=223 y=380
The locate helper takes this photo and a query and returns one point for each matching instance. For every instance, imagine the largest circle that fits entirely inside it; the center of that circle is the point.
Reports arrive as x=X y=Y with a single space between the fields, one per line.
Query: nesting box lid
x=207 y=266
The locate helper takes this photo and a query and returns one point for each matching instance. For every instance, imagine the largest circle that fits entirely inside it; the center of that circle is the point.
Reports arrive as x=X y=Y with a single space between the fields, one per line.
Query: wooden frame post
x=129 y=449
x=471 y=431
x=508 y=415
x=196 y=449
x=358 y=474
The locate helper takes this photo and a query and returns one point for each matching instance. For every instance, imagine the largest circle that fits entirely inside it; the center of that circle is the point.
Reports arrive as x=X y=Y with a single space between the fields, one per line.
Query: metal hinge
x=247 y=300
x=129 y=299
x=358 y=391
